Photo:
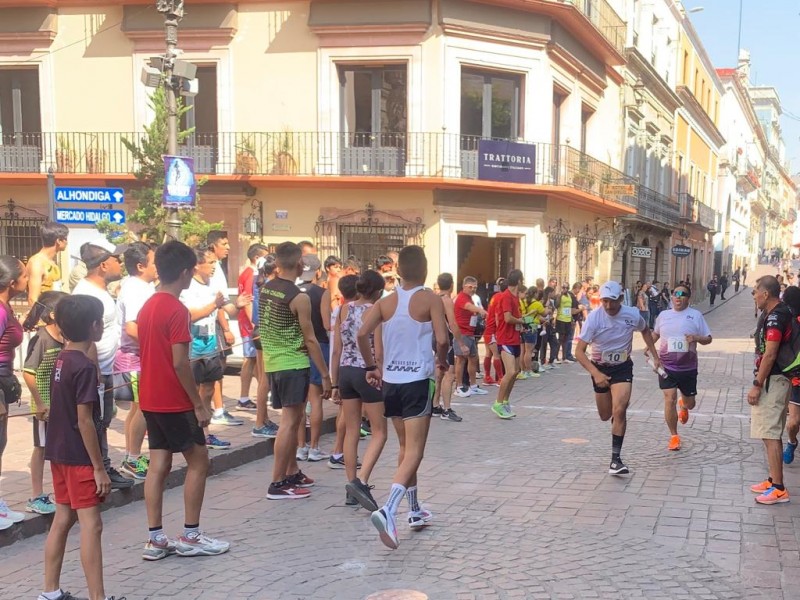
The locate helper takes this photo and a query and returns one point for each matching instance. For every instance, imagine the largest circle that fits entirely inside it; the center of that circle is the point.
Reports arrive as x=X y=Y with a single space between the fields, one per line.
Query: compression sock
x=498 y=368
x=487 y=365
x=411 y=496
x=616 y=446
x=393 y=502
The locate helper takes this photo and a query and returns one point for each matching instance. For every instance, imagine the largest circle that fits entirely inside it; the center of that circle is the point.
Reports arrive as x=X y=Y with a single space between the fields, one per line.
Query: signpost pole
x=51 y=194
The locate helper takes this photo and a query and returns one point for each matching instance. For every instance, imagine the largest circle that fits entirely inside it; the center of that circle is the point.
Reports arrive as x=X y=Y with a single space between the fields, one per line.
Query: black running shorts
x=409 y=400
x=289 y=388
x=207 y=370
x=353 y=386
x=621 y=373
x=176 y=432
x=685 y=381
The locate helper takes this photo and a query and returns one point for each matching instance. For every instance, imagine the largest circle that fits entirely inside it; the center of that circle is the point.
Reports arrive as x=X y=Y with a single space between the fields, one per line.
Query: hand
x=243 y=300
x=229 y=339
x=102 y=481
x=656 y=363
x=690 y=339
x=203 y=416
x=753 y=395
x=483 y=312
x=336 y=398
x=220 y=300
x=374 y=379
x=41 y=415
x=464 y=349
x=443 y=366
x=601 y=380
x=326 y=387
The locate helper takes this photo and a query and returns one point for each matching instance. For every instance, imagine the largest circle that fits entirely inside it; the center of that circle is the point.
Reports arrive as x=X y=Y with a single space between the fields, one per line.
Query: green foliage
x=150 y=217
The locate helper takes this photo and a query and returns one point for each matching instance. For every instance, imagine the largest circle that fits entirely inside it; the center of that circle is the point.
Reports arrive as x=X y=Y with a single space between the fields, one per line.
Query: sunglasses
x=680 y=294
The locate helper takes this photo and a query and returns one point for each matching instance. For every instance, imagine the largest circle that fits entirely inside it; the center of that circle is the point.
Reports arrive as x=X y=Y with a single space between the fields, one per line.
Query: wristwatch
x=756 y=383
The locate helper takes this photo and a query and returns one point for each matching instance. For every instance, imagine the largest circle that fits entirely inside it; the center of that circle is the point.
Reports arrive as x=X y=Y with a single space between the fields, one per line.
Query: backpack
x=788 y=359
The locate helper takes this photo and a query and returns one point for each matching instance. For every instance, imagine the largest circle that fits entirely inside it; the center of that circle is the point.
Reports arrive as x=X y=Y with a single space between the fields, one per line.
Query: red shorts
x=74 y=485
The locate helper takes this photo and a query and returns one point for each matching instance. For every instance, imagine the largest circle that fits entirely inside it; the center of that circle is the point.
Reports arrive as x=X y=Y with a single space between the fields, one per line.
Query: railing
x=604 y=18
x=694 y=211
x=304 y=154
x=792 y=215
x=706 y=217
x=686 y=203
x=657 y=207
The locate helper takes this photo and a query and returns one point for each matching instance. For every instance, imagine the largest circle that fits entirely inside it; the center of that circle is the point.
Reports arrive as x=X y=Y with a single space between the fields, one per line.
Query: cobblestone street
x=523 y=509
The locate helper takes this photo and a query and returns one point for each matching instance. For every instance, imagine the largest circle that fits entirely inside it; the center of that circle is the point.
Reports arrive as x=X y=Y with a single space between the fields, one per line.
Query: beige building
x=361 y=125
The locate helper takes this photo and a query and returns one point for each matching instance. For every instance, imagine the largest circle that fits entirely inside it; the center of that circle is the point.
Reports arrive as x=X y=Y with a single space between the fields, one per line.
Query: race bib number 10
x=678 y=345
x=614 y=357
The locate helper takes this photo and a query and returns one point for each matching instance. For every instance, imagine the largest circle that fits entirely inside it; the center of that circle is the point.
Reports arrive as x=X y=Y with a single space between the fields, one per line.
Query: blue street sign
x=87 y=216
x=90 y=195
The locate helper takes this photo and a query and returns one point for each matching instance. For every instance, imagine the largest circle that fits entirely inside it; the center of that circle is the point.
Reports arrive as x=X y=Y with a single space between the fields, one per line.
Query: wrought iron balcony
x=313 y=154
x=603 y=17
x=695 y=212
x=657 y=208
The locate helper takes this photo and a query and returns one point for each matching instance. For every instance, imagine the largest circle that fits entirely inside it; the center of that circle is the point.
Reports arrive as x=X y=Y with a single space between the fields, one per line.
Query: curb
x=221 y=461
x=724 y=302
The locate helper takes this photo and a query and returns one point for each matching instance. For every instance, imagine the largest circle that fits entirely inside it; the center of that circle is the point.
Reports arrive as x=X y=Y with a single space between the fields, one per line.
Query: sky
x=769 y=31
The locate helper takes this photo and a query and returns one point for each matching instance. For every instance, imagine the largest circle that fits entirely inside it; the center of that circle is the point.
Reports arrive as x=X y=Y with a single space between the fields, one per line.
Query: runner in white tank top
x=411 y=317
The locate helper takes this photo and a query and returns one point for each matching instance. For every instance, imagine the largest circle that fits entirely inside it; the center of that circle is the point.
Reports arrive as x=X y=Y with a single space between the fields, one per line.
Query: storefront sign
x=506 y=161
x=180 y=187
x=641 y=252
x=619 y=189
x=681 y=251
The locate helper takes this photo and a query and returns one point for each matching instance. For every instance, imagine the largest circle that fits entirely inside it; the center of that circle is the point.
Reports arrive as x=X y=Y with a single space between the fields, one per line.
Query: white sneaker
x=477 y=391
x=11 y=515
x=478 y=375
x=200 y=545
x=5 y=523
x=302 y=453
x=463 y=393
x=316 y=455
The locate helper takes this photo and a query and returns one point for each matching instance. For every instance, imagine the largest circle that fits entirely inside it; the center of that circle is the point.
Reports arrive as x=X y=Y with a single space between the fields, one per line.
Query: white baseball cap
x=610 y=290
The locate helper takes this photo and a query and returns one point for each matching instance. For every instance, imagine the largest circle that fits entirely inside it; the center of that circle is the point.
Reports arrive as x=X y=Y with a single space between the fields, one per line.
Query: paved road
x=524 y=509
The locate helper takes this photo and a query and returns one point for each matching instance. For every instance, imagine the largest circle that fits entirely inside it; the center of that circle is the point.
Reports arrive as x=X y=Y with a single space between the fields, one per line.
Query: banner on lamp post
x=180 y=186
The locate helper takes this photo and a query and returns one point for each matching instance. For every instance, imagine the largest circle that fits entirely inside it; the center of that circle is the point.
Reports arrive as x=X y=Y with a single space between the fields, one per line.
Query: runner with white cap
x=610 y=332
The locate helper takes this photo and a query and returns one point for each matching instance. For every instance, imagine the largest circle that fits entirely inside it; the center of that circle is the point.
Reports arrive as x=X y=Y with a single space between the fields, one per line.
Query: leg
x=620 y=397
x=160 y=466
x=286 y=442
x=194 y=487
x=793 y=422
x=262 y=417
x=54 y=547
x=774 y=451
x=37 y=472
x=106 y=416
x=206 y=391
x=412 y=450
x=352 y=427
x=570 y=336
x=375 y=412
x=315 y=397
x=472 y=368
x=448 y=381
x=301 y=430
x=460 y=363
x=216 y=393
x=91 y=525
x=671 y=410
x=604 y=405
x=338 y=445
x=511 y=368
x=135 y=428
x=248 y=369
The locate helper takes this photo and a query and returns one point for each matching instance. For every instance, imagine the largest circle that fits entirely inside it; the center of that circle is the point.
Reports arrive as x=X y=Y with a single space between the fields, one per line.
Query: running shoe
x=478 y=375
x=476 y=390
x=489 y=380
x=269 y=431
x=226 y=418
x=67 y=596
x=437 y=410
x=674 y=443
x=617 y=467
x=365 y=426
x=215 y=443
x=349 y=500
x=200 y=545
x=160 y=548
x=450 y=415
x=419 y=519
x=569 y=361
x=302 y=453
x=462 y=393
x=11 y=515
x=556 y=362
x=683 y=412
x=788 y=453
x=522 y=376
x=5 y=523
x=135 y=468
x=362 y=494
x=509 y=411
x=499 y=409
x=336 y=463
x=533 y=375
x=387 y=529
x=773 y=496
x=760 y=488
x=285 y=490
x=246 y=405
x=301 y=480
x=316 y=455
x=41 y=505
x=363 y=434
x=118 y=480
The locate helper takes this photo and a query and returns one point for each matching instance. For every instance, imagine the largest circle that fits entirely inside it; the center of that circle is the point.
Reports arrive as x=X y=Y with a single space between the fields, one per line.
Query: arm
x=703 y=340
x=132 y=329
x=647 y=335
x=326 y=310
x=474 y=309
x=202 y=312
x=764 y=368
x=183 y=370
x=35 y=273
x=440 y=331
x=369 y=323
x=450 y=314
x=91 y=442
x=336 y=357
x=30 y=381
x=301 y=306
x=600 y=379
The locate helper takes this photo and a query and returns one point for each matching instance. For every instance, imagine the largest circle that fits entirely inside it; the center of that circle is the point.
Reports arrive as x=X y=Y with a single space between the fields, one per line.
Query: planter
x=65 y=161
x=95 y=160
x=284 y=164
x=246 y=163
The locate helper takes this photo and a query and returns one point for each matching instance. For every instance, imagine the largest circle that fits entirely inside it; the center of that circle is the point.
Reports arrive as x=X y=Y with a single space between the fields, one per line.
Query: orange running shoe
x=773 y=496
x=674 y=443
x=683 y=412
x=760 y=488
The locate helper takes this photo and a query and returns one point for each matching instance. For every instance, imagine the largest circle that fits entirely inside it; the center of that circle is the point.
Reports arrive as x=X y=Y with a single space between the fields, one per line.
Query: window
x=686 y=68
x=558 y=100
x=367 y=242
x=19 y=236
x=490 y=105
x=374 y=105
x=203 y=144
x=19 y=103
x=558 y=255
x=586 y=115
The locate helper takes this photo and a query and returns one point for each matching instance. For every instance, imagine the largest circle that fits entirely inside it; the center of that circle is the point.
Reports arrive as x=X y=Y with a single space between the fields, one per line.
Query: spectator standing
x=723 y=285
x=713 y=289
x=43 y=270
x=250 y=346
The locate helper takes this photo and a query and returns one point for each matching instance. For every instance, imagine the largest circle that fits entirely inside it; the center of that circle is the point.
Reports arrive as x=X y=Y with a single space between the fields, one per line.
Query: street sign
x=90 y=195
x=641 y=252
x=87 y=216
x=681 y=251
x=619 y=189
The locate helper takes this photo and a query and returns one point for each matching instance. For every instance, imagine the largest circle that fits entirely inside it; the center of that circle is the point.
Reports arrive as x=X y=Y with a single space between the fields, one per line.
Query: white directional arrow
x=118 y=217
x=118 y=197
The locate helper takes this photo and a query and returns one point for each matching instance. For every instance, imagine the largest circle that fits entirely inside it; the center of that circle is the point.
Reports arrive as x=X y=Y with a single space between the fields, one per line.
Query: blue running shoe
x=215 y=443
x=788 y=453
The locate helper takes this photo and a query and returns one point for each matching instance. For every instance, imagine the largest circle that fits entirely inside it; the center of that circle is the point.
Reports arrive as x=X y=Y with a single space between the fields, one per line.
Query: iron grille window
x=586 y=257
x=19 y=236
x=558 y=256
x=368 y=242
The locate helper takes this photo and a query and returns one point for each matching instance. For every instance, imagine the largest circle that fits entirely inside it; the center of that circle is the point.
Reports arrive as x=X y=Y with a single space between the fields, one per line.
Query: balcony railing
x=604 y=18
x=657 y=207
x=695 y=212
x=312 y=154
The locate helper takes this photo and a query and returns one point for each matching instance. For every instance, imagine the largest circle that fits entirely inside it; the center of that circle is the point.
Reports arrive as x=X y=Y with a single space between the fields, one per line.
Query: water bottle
x=660 y=369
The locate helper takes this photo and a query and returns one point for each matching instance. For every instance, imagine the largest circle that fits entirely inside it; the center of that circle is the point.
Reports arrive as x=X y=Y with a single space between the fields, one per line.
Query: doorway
x=485 y=258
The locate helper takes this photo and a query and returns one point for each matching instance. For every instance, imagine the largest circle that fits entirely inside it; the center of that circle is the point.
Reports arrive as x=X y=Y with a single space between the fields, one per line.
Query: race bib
x=678 y=345
x=614 y=357
x=566 y=312
x=473 y=320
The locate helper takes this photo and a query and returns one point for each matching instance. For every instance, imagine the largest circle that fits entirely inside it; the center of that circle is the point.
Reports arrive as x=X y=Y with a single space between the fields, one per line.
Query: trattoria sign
x=506 y=161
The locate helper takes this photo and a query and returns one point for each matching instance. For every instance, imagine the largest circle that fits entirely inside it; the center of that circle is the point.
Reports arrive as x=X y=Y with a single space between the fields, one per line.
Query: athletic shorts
x=175 y=432
x=316 y=376
x=353 y=386
x=768 y=417
x=207 y=370
x=795 y=397
x=409 y=400
x=529 y=337
x=74 y=485
x=469 y=342
x=39 y=433
x=489 y=339
x=621 y=373
x=685 y=381
x=289 y=388
x=514 y=350
x=249 y=349
x=564 y=328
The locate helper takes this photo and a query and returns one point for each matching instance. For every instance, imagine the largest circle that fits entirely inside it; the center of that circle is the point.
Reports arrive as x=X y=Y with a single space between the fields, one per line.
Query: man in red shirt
x=489 y=340
x=467 y=314
x=509 y=325
x=251 y=348
x=172 y=407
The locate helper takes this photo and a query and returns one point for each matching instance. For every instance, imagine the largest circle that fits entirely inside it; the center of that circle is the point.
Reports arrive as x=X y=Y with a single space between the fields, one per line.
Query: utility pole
x=173 y=13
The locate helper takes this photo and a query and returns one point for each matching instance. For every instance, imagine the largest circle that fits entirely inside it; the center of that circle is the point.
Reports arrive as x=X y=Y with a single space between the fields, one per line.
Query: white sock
x=51 y=595
x=411 y=496
x=218 y=412
x=243 y=399
x=393 y=502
